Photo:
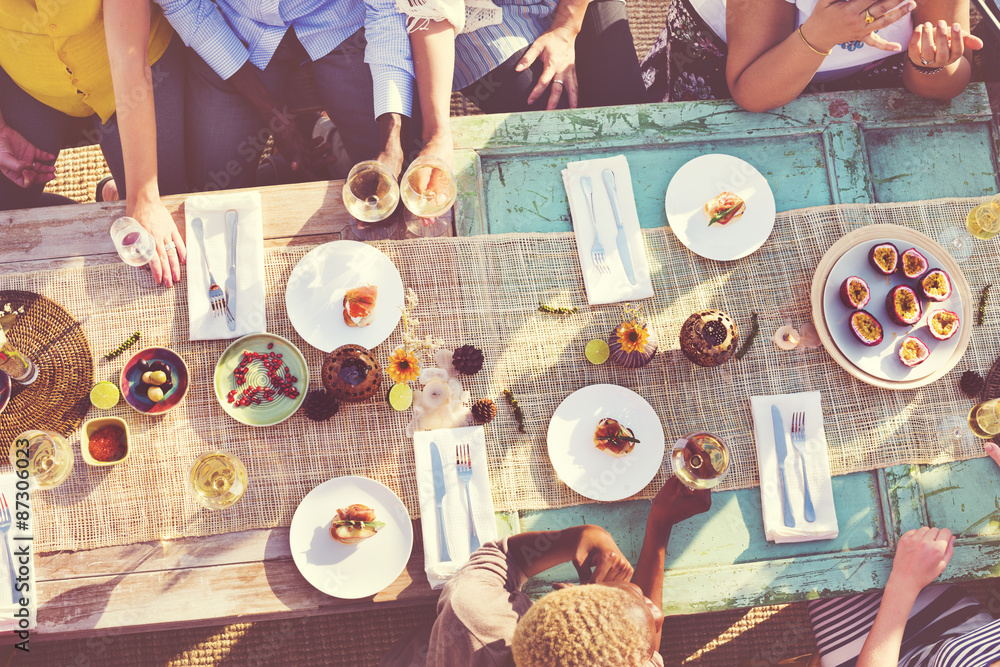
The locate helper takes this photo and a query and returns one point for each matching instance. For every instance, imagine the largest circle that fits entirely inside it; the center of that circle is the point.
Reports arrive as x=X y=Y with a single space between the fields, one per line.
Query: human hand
x=165 y=264
x=834 y=22
x=941 y=45
x=21 y=162
x=992 y=450
x=921 y=555
x=557 y=49
x=306 y=158
x=675 y=502
x=598 y=559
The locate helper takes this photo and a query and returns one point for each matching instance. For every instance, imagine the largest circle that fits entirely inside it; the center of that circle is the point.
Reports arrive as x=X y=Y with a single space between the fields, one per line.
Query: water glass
x=134 y=244
x=700 y=460
x=217 y=480
x=15 y=364
x=46 y=456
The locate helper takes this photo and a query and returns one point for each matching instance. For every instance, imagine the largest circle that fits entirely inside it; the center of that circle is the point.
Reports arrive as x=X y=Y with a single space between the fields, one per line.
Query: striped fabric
x=227 y=33
x=945 y=629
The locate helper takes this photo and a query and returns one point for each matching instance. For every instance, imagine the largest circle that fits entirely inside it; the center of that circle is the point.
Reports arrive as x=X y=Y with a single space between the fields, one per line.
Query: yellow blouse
x=55 y=51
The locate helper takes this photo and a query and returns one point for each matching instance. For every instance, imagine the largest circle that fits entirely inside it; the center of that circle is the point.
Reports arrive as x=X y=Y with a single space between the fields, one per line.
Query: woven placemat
x=54 y=341
x=77 y=172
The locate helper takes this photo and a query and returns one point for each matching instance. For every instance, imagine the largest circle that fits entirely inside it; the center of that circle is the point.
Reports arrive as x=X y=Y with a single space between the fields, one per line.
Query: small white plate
x=703 y=179
x=350 y=571
x=882 y=360
x=315 y=294
x=588 y=470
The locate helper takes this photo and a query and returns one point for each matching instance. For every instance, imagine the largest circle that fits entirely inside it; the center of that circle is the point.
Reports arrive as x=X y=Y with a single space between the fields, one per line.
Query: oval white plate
x=701 y=180
x=350 y=571
x=882 y=360
x=314 y=296
x=586 y=469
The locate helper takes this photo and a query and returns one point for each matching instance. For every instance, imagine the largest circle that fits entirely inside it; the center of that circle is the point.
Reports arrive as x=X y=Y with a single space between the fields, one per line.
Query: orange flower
x=632 y=336
x=403 y=366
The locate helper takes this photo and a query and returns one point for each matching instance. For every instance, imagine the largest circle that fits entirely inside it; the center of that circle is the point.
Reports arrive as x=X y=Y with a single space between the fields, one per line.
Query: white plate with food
x=318 y=289
x=720 y=207
x=880 y=364
x=612 y=473
x=358 y=569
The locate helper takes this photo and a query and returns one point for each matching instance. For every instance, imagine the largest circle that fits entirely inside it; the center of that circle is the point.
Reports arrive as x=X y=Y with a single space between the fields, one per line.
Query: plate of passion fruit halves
x=892 y=307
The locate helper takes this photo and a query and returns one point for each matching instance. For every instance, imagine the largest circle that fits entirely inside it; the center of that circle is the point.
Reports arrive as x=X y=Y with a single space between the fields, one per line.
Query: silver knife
x=439 y=489
x=231 y=219
x=782 y=451
x=622 y=240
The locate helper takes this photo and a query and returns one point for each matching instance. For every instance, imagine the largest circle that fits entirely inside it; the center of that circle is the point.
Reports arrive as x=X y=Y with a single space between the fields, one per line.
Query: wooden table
x=845 y=147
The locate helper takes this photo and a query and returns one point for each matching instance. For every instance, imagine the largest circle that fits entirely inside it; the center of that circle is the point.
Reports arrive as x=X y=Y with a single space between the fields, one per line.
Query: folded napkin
x=250 y=317
x=454 y=505
x=614 y=286
x=8 y=607
x=817 y=467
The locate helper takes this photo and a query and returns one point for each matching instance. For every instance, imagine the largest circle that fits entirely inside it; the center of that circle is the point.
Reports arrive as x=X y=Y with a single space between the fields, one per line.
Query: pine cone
x=483 y=411
x=320 y=405
x=467 y=360
x=971 y=383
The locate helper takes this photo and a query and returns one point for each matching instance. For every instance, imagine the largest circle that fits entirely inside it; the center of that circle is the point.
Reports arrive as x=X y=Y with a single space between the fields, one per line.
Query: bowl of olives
x=154 y=381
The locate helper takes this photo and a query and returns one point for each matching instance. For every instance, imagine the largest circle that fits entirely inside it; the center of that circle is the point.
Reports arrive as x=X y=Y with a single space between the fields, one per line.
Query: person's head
x=590 y=625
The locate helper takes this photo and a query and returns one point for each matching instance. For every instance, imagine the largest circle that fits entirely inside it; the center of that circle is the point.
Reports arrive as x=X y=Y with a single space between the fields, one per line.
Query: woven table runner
x=485 y=290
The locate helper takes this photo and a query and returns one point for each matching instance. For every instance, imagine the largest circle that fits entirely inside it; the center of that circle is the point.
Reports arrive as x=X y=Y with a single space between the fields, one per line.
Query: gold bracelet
x=811 y=47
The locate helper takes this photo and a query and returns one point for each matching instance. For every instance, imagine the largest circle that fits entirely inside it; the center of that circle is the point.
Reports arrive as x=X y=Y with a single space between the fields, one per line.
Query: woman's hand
x=166 y=261
x=598 y=559
x=921 y=556
x=21 y=162
x=834 y=22
x=557 y=49
x=940 y=46
x=992 y=450
x=675 y=502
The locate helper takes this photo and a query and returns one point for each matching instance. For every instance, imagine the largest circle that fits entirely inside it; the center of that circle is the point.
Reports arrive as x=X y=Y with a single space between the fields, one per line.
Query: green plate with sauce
x=259 y=382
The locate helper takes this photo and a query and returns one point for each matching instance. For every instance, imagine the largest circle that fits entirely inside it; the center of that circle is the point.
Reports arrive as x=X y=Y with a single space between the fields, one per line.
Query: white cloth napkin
x=8 y=621
x=250 y=316
x=454 y=506
x=817 y=466
x=614 y=286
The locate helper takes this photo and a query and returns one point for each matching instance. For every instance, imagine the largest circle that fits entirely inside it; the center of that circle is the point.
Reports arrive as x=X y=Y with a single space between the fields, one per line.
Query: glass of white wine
x=218 y=479
x=371 y=195
x=984 y=418
x=700 y=460
x=428 y=191
x=983 y=221
x=46 y=456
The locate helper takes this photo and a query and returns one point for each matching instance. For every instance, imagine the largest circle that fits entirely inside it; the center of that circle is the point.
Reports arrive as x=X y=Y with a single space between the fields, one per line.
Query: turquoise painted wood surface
x=864 y=146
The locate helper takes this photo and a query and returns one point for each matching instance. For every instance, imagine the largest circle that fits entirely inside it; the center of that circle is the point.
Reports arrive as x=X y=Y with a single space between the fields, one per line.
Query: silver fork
x=798 y=431
x=463 y=465
x=215 y=295
x=4 y=527
x=597 y=250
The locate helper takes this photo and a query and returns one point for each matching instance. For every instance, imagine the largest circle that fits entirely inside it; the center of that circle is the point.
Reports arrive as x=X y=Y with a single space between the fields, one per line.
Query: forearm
x=881 y=648
x=246 y=80
x=649 y=571
x=780 y=74
x=434 y=65
x=569 y=16
x=942 y=85
x=537 y=551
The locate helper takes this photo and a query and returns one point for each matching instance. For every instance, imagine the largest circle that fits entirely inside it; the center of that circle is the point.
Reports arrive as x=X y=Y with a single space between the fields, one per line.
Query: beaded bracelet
x=924 y=70
x=811 y=47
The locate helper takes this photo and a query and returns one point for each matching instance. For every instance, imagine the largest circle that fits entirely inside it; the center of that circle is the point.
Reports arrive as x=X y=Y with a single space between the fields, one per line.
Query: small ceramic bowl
x=93 y=426
x=4 y=390
x=131 y=378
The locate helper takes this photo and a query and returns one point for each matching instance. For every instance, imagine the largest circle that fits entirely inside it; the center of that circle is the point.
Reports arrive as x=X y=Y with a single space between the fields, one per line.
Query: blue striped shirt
x=479 y=52
x=227 y=33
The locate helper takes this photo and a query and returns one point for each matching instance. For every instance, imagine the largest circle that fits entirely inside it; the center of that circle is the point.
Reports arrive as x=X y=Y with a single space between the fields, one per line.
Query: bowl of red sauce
x=104 y=441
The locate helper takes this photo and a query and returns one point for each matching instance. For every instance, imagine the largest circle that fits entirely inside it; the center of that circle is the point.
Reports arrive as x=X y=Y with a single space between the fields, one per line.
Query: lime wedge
x=598 y=352
x=400 y=396
x=104 y=395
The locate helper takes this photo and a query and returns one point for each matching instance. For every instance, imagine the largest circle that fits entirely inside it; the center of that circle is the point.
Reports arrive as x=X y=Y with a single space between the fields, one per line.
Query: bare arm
x=434 y=66
x=127 y=35
x=936 y=40
x=592 y=550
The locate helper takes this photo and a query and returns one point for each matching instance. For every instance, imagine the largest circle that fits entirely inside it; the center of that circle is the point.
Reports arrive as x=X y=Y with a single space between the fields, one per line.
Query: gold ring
x=868 y=17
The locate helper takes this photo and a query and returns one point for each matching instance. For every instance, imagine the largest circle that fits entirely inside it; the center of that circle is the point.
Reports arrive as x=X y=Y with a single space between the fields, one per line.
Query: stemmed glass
x=217 y=480
x=46 y=456
x=371 y=195
x=982 y=222
x=428 y=192
x=700 y=460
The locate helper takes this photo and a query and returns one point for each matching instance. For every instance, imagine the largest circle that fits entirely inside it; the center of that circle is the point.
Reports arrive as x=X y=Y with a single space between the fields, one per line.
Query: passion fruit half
x=866 y=328
x=913 y=351
x=854 y=292
x=913 y=264
x=943 y=324
x=884 y=258
x=936 y=285
x=903 y=305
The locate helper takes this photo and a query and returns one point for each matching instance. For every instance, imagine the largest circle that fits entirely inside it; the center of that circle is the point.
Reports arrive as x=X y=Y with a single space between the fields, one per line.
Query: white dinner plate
x=588 y=470
x=882 y=360
x=350 y=571
x=703 y=179
x=315 y=294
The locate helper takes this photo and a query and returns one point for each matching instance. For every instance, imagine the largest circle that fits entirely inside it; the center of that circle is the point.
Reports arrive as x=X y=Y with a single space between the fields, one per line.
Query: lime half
x=104 y=395
x=598 y=351
x=400 y=396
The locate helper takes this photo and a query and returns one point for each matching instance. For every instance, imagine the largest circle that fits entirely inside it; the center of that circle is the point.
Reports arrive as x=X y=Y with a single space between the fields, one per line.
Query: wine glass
x=984 y=419
x=218 y=479
x=371 y=195
x=700 y=460
x=46 y=456
x=428 y=192
x=134 y=244
x=983 y=222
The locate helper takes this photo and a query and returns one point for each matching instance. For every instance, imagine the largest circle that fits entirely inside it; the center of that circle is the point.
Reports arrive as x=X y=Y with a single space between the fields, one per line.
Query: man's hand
x=921 y=556
x=391 y=126
x=21 y=162
x=598 y=559
x=557 y=49
x=675 y=502
x=165 y=264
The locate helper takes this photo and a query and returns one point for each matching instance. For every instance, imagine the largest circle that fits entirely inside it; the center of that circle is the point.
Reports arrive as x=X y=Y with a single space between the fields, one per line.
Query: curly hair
x=587 y=625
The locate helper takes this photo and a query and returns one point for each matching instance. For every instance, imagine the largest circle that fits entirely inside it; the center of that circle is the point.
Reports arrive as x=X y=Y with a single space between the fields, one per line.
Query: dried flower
x=632 y=336
x=128 y=342
x=518 y=413
x=403 y=365
x=557 y=310
x=409 y=328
